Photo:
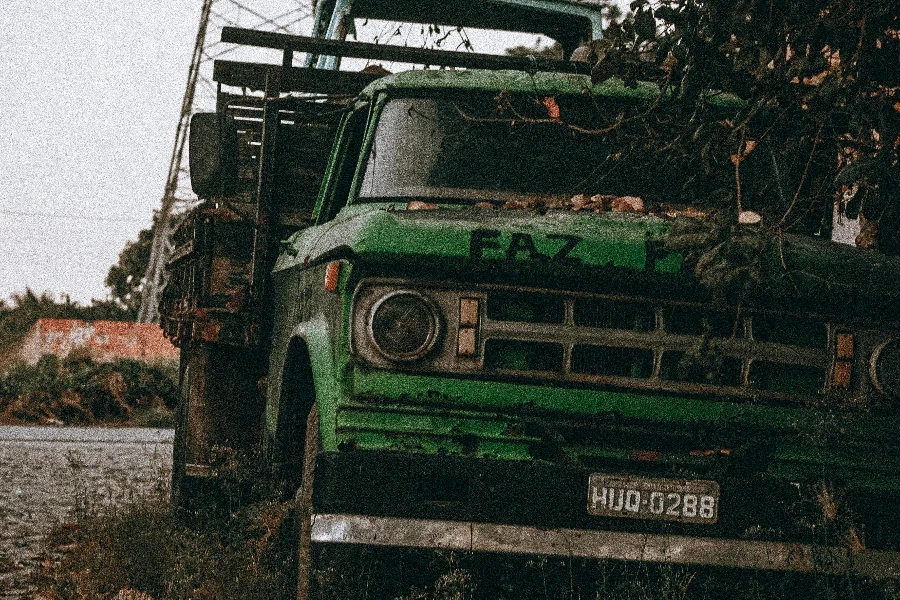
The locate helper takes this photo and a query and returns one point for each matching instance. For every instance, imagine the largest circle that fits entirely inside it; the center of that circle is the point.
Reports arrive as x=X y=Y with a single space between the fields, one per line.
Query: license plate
x=684 y=500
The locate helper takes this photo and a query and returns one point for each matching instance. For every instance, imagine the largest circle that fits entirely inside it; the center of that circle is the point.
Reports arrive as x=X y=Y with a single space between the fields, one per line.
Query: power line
x=45 y=215
x=200 y=94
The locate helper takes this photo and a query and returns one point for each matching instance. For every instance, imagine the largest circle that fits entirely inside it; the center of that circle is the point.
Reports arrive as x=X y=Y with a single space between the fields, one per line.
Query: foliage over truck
x=439 y=304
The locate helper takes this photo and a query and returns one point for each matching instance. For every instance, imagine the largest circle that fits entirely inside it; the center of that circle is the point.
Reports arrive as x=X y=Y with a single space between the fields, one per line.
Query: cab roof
x=419 y=81
x=422 y=81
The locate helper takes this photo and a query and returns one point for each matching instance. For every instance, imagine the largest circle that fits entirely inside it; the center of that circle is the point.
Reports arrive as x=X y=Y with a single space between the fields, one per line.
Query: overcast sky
x=90 y=92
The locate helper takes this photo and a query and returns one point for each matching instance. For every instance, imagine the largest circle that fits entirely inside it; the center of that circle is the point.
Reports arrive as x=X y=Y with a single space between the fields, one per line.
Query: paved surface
x=51 y=475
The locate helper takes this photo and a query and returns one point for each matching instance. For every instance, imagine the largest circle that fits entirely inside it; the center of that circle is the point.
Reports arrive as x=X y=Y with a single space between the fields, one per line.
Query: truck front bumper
x=472 y=536
x=409 y=500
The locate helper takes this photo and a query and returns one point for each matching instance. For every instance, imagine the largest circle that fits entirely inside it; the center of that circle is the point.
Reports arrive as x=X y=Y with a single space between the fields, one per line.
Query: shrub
x=79 y=390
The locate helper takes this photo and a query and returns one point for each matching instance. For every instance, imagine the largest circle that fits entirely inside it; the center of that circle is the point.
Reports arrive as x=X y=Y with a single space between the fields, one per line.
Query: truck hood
x=589 y=239
x=821 y=276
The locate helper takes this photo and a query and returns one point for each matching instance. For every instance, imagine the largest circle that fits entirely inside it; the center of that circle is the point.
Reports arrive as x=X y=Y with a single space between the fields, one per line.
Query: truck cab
x=478 y=338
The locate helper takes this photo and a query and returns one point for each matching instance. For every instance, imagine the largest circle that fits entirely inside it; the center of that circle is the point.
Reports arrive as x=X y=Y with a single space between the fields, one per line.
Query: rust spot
x=419 y=205
x=236 y=302
x=647 y=455
x=702 y=452
x=209 y=330
x=516 y=205
x=706 y=452
x=627 y=204
x=513 y=431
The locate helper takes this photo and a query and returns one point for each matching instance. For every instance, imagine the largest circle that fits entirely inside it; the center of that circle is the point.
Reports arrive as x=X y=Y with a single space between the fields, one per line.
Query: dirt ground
x=50 y=475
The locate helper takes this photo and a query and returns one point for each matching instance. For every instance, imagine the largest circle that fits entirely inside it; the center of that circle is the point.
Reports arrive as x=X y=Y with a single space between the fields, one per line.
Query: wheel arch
x=296 y=395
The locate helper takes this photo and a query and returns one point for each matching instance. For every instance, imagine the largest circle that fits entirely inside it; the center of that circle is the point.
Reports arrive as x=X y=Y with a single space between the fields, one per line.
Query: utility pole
x=285 y=16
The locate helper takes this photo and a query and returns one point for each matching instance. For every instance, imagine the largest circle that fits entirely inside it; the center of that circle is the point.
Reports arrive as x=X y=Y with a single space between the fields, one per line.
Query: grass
x=429 y=575
x=224 y=552
x=240 y=545
x=247 y=553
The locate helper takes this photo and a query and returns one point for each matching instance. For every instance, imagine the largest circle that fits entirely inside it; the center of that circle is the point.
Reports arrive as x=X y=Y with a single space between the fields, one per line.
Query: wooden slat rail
x=293 y=79
x=425 y=56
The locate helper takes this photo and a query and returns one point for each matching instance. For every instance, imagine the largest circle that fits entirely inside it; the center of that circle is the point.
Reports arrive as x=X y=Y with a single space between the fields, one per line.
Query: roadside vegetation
x=236 y=547
x=238 y=542
x=246 y=554
x=77 y=390
x=144 y=549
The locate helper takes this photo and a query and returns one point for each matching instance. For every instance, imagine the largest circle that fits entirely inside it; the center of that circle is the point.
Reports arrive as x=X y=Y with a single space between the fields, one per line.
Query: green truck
x=438 y=319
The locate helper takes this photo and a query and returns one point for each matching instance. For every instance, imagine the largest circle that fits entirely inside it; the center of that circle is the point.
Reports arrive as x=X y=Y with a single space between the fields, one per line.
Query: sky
x=90 y=93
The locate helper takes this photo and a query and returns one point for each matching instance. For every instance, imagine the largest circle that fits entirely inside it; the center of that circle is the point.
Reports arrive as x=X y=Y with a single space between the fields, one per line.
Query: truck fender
x=313 y=339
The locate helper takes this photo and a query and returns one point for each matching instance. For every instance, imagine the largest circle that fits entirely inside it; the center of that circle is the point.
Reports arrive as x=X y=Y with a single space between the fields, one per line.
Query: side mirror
x=212 y=156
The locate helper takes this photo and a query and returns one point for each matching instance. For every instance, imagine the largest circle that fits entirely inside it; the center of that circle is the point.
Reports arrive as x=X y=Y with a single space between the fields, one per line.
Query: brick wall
x=104 y=340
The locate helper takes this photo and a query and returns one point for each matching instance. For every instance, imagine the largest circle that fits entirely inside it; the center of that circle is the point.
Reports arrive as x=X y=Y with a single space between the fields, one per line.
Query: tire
x=219 y=407
x=304 y=507
x=298 y=396
x=182 y=485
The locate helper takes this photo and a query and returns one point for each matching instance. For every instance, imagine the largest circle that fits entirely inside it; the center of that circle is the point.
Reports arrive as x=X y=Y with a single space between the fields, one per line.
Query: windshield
x=465 y=151
x=545 y=149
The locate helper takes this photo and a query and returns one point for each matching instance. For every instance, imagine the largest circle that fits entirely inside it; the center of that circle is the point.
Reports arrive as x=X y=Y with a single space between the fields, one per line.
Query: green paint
x=402 y=411
x=487 y=411
x=616 y=239
x=514 y=82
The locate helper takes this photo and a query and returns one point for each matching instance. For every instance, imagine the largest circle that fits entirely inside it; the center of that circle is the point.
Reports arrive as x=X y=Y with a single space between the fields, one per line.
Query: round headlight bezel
x=430 y=341
x=875 y=365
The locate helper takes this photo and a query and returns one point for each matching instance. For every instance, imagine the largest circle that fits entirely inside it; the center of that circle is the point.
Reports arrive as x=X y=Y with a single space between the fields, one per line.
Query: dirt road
x=50 y=475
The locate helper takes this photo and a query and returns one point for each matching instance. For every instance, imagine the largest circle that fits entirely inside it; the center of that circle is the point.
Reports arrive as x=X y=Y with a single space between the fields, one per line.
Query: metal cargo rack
x=279 y=149
x=259 y=77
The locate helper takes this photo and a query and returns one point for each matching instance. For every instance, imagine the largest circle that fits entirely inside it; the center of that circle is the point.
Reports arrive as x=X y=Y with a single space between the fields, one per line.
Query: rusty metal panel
x=385 y=531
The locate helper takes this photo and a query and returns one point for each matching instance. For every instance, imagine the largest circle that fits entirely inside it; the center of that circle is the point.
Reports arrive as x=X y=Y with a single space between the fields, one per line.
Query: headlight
x=404 y=325
x=885 y=368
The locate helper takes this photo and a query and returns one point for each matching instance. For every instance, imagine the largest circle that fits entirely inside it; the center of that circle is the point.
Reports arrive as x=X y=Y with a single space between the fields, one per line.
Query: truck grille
x=618 y=342
x=678 y=347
